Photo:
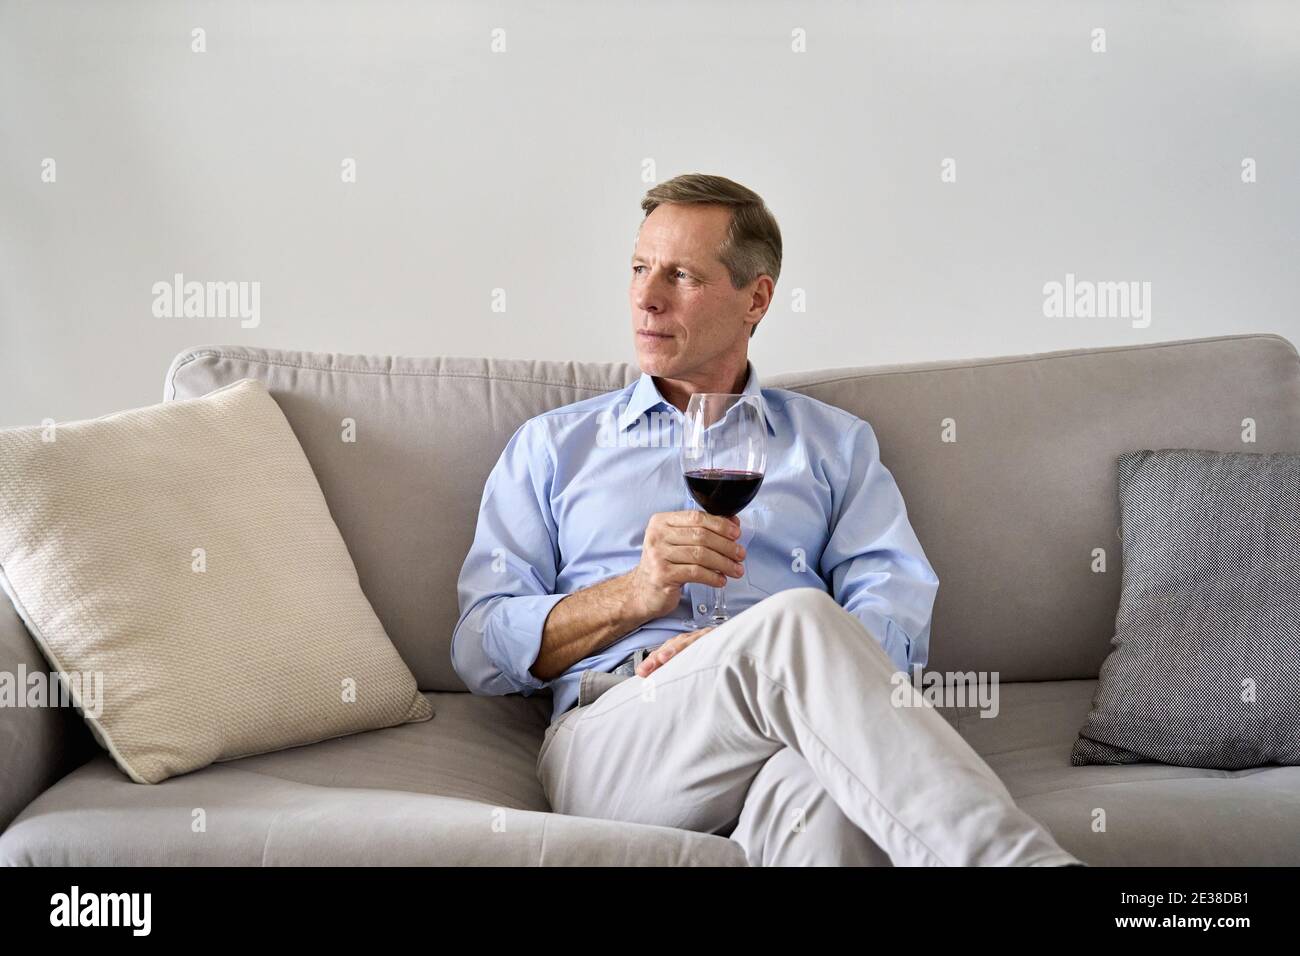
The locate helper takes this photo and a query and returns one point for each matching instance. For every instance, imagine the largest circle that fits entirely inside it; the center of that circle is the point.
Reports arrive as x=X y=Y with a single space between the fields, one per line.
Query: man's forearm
x=586 y=622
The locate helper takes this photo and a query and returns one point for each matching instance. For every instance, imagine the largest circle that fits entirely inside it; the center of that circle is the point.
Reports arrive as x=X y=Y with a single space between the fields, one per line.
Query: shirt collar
x=645 y=396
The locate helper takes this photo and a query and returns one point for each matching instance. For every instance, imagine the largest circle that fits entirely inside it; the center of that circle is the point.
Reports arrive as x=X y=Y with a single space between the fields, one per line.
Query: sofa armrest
x=38 y=745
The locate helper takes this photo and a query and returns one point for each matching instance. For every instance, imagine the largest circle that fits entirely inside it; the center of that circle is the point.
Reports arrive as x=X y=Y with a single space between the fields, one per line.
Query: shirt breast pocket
x=762 y=557
x=774 y=559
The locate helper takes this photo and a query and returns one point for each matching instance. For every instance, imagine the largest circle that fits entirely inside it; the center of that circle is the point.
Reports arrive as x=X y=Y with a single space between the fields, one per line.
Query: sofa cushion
x=458 y=790
x=1036 y=437
x=1206 y=666
x=427 y=793
x=180 y=563
x=1136 y=814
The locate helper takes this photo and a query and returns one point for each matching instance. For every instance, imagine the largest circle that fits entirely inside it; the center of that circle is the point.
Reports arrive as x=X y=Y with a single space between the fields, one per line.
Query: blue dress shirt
x=567 y=504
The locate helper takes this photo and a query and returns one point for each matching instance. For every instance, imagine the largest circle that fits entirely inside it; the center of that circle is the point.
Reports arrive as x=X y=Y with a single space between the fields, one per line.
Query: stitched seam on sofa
x=959 y=365
x=989 y=363
x=1019 y=750
x=1201 y=771
x=189 y=359
x=1113 y=783
x=971 y=715
x=1020 y=360
x=361 y=789
x=279 y=815
x=541 y=852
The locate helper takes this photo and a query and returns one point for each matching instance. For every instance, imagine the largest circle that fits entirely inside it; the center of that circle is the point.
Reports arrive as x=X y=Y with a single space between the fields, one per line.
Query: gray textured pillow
x=1205 y=666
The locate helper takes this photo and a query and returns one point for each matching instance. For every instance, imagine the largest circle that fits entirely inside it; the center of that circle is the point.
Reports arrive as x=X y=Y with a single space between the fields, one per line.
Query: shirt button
x=702 y=608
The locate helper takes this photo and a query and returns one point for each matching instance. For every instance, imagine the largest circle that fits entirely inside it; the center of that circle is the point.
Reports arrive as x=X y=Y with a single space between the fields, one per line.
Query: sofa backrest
x=1007 y=467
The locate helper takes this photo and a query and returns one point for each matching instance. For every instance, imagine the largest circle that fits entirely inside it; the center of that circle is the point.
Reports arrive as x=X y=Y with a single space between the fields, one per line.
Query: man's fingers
x=707 y=538
x=680 y=574
x=701 y=556
x=727 y=527
x=670 y=649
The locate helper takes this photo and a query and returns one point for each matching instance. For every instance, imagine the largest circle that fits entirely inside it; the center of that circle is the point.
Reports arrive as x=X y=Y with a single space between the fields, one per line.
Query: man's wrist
x=630 y=613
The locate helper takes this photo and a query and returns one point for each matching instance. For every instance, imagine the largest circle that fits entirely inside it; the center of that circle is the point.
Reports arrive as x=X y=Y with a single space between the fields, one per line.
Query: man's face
x=685 y=313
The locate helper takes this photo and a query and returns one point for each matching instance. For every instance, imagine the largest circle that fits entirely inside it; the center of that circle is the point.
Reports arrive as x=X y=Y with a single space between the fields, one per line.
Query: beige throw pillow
x=183 y=554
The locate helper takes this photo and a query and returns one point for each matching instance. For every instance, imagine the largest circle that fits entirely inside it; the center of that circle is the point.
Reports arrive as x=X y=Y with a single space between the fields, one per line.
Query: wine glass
x=724 y=457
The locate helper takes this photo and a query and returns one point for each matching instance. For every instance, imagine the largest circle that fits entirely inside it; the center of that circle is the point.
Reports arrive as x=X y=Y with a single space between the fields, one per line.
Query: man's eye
x=677 y=274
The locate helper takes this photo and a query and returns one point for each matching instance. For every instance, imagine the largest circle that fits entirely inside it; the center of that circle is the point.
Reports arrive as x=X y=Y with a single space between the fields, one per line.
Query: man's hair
x=753 y=243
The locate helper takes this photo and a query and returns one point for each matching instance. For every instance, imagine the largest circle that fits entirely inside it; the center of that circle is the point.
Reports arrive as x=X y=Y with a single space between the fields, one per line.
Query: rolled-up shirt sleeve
x=506 y=584
x=876 y=567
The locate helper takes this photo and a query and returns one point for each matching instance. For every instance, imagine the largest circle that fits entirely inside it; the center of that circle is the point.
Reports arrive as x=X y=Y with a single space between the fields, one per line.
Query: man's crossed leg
x=702 y=743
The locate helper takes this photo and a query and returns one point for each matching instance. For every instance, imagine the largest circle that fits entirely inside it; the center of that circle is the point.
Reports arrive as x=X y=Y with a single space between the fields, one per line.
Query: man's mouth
x=654 y=335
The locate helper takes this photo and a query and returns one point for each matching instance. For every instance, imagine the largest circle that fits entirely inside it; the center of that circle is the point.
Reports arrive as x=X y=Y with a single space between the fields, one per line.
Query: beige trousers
x=780 y=728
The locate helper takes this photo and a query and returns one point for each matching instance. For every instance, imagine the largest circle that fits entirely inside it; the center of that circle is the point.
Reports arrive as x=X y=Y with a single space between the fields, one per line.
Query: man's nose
x=647 y=297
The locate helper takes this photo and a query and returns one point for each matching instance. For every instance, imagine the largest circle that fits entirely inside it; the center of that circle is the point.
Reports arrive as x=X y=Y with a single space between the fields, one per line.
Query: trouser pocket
x=593 y=683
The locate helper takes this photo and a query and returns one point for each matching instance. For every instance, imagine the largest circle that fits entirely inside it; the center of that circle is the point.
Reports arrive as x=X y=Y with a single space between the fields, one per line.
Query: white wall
x=523 y=170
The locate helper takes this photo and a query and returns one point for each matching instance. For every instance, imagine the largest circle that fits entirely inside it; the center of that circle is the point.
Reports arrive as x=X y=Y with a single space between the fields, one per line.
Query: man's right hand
x=681 y=547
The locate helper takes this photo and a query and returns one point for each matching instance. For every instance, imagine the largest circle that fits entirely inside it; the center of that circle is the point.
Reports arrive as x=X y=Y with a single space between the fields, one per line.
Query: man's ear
x=771 y=291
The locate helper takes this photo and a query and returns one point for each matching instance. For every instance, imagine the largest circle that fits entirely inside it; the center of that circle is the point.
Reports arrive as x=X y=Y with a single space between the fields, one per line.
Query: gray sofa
x=1010 y=514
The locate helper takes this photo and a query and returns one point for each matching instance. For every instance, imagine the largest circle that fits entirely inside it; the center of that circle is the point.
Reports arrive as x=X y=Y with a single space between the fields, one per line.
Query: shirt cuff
x=513 y=636
x=892 y=638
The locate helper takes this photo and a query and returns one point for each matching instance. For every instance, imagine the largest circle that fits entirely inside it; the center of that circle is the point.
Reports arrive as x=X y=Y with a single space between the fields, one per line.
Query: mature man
x=780 y=727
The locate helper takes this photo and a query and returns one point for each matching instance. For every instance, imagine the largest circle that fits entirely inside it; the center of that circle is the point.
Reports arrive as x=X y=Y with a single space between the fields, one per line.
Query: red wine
x=721 y=491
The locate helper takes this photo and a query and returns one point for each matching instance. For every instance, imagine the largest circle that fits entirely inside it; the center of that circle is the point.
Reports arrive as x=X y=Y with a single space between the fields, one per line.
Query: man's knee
x=816 y=615
x=809 y=607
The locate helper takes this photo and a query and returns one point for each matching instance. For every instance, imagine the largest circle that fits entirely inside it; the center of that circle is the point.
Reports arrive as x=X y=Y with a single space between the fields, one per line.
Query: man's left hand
x=669 y=649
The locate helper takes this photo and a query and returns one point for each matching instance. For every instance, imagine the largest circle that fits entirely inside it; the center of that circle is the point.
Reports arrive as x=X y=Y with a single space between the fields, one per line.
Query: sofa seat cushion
x=1154 y=814
x=427 y=793
x=460 y=789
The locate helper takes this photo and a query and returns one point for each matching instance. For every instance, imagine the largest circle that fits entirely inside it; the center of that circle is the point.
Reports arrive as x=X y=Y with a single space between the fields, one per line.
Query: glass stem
x=719 y=605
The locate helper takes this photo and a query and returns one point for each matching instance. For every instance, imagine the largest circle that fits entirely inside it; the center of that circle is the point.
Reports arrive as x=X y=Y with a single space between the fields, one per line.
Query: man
x=779 y=727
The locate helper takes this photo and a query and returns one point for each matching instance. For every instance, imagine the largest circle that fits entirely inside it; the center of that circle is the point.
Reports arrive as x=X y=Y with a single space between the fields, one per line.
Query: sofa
x=1007 y=466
